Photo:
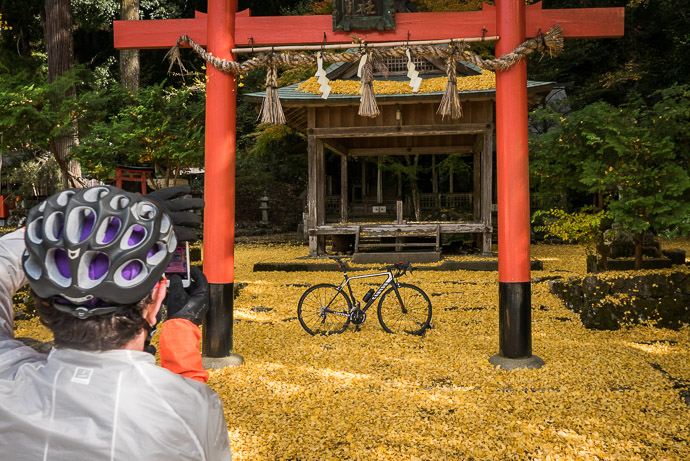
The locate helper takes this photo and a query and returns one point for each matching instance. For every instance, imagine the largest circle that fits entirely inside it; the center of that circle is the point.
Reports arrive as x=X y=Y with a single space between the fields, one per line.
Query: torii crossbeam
x=222 y=29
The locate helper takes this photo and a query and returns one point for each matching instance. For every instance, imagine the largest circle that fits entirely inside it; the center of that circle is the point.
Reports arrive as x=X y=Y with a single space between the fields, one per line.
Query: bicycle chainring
x=358 y=316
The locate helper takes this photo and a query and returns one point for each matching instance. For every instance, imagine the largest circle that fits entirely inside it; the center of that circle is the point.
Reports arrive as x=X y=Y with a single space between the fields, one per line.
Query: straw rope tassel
x=553 y=41
x=367 y=104
x=173 y=57
x=271 y=110
x=450 y=102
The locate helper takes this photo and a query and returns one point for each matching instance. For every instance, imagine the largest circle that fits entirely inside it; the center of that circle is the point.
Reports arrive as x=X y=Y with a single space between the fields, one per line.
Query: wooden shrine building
x=374 y=205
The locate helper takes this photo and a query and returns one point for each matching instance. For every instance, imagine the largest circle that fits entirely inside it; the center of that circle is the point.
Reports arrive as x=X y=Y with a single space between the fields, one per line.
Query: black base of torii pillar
x=514 y=328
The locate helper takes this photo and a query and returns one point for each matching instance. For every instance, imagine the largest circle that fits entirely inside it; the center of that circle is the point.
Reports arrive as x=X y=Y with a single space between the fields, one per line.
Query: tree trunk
x=60 y=51
x=602 y=250
x=129 y=59
x=639 y=240
x=177 y=174
x=168 y=169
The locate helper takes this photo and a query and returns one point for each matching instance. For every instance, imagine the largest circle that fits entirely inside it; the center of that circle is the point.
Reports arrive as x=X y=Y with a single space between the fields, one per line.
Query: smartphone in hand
x=180 y=264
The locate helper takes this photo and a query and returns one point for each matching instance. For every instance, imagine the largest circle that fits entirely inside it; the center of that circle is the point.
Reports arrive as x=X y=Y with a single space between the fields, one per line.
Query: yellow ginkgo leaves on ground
x=368 y=395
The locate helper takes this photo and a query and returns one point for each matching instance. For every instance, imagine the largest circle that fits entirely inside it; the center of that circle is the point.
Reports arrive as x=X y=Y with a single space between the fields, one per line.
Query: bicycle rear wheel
x=323 y=309
x=411 y=313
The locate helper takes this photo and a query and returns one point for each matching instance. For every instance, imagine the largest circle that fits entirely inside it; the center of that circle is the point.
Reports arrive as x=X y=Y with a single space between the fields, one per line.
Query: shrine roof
x=291 y=96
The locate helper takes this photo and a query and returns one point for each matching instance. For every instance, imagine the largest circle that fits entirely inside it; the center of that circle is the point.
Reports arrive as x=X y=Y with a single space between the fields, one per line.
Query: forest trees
x=158 y=125
x=129 y=59
x=632 y=159
x=652 y=56
x=60 y=55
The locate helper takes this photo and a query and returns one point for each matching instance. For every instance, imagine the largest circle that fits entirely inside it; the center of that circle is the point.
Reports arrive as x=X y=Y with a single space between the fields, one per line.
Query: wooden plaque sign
x=363 y=15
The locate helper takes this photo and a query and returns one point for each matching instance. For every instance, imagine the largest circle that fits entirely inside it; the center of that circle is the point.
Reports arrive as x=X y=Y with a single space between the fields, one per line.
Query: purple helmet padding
x=154 y=249
x=99 y=266
x=58 y=226
x=111 y=230
x=62 y=263
x=87 y=226
x=138 y=234
x=131 y=270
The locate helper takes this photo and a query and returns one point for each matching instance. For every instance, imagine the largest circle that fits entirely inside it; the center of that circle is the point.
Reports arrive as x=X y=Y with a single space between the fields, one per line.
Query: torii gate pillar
x=219 y=188
x=512 y=169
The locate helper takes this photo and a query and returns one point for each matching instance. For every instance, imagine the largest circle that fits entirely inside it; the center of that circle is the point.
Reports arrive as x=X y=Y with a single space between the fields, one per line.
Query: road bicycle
x=328 y=309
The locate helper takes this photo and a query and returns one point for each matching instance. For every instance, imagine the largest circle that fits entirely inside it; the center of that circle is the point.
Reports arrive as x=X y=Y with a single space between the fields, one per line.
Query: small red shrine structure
x=132 y=174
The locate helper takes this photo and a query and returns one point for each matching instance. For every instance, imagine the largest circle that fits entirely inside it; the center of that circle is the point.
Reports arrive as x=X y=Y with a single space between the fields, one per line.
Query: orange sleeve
x=179 y=349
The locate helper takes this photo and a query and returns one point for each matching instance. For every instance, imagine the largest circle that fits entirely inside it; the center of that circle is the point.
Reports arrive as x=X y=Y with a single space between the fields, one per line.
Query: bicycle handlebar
x=400 y=267
x=342 y=265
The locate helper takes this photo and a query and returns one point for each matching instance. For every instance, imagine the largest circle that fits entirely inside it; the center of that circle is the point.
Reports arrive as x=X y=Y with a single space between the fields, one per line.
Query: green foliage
x=158 y=125
x=455 y=163
x=632 y=158
x=449 y=5
x=280 y=152
x=670 y=118
x=581 y=227
x=653 y=53
x=295 y=75
x=28 y=177
x=34 y=110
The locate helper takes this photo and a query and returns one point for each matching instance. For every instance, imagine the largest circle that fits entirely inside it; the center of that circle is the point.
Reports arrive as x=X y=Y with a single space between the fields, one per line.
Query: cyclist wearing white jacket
x=94 y=259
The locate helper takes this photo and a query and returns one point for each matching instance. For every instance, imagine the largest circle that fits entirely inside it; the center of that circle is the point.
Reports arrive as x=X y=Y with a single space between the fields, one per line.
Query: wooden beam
x=306 y=30
x=383 y=230
x=487 y=190
x=320 y=194
x=379 y=182
x=478 y=178
x=336 y=147
x=425 y=150
x=405 y=130
x=478 y=142
x=311 y=185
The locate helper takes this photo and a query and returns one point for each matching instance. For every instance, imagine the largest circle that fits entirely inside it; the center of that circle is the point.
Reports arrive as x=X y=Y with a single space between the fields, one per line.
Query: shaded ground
x=372 y=396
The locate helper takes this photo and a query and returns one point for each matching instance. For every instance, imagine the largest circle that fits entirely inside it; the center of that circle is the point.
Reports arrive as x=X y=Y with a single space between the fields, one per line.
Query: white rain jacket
x=117 y=405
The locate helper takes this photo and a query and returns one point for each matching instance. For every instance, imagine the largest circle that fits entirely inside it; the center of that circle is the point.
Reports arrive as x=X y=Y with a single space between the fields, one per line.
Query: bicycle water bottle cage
x=367 y=295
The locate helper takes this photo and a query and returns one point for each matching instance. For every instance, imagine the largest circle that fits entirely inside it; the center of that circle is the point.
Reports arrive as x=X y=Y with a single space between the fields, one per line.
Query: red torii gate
x=222 y=28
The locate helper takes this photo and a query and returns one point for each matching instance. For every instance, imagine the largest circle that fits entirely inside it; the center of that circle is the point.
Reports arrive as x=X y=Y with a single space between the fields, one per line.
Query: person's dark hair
x=97 y=333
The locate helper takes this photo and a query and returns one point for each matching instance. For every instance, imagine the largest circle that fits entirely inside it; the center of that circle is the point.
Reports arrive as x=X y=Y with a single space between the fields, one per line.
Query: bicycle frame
x=355 y=303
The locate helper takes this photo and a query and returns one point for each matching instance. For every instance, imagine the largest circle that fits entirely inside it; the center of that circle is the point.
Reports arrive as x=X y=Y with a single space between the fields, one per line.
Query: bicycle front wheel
x=323 y=309
x=405 y=310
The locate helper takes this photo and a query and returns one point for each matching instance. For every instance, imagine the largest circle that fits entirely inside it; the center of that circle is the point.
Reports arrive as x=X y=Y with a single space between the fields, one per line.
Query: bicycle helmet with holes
x=91 y=251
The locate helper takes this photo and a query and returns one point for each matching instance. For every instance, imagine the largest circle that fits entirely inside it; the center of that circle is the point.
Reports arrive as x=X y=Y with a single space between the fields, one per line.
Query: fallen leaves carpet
x=368 y=395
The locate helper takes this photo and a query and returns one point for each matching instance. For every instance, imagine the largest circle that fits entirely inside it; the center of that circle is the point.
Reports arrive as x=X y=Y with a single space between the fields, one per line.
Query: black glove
x=191 y=306
x=148 y=347
x=179 y=207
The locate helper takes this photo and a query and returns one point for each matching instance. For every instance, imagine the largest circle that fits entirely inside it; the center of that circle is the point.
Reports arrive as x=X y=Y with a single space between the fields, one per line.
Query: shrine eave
x=290 y=96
